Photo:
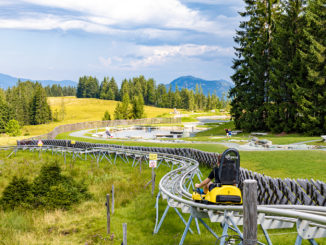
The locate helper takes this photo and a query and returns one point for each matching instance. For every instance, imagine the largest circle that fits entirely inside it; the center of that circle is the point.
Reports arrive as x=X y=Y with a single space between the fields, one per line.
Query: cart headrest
x=229 y=169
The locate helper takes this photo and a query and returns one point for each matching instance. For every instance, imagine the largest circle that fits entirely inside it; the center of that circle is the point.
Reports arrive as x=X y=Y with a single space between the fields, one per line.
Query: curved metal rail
x=310 y=221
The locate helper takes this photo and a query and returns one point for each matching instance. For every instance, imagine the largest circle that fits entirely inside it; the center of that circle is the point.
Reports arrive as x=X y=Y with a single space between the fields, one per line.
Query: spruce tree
x=312 y=111
x=104 y=89
x=125 y=110
x=118 y=112
x=137 y=109
x=287 y=75
x=39 y=109
x=251 y=66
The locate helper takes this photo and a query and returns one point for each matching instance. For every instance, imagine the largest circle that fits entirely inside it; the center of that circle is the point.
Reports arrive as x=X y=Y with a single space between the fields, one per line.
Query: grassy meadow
x=79 y=110
x=85 y=223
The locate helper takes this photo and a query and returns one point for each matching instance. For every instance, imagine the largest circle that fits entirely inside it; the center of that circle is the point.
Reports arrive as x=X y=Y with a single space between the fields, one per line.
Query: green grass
x=86 y=223
x=218 y=130
x=188 y=119
x=275 y=138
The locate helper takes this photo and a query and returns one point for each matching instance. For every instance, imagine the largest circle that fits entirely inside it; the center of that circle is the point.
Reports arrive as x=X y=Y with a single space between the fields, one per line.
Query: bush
x=54 y=190
x=50 y=190
x=13 y=128
x=17 y=194
x=107 y=116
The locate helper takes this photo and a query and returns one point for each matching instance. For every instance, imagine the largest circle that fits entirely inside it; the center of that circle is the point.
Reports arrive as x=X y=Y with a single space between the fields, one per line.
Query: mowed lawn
x=82 y=110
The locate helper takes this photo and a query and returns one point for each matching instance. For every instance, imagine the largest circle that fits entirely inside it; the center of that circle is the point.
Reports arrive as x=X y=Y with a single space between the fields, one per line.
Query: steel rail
x=171 y=185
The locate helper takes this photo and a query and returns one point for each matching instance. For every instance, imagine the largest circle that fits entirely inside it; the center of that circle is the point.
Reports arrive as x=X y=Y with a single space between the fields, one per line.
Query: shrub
x=17 y=194
x=13 y=128
x=107 y=116
x=54 y=190
x=49 y=190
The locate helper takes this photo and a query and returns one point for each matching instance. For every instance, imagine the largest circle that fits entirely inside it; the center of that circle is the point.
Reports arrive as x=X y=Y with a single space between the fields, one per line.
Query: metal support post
x=269 y=242
x=298 y=241
x=235 y=226
x=208 y=228
x=183 y=220
x=312 y=242
x=162 y=219
x=225 y=233
x=156 y=207
x=186 y=230
x=197 y=225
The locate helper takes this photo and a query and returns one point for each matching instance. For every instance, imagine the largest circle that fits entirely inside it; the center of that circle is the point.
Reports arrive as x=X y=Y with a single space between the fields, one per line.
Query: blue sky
x=162 y=39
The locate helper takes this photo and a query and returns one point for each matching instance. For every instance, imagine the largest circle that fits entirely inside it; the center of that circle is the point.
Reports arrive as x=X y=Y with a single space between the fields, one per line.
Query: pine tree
x=39 y=109
x=88 y=87
x=107 y=116
x=251 y=77
x=287 y=74
x=6 y=114
x=118 y=112
x=138 y=107
x=113 y=90
x=177 y=98
x=311 y=109
x=13 y=128
x=150 y=99
x=125 y=89
x=104 y=88
x=125 y=110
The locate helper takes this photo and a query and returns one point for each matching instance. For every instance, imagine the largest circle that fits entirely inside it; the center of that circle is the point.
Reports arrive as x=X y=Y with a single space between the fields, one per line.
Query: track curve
x=301 y=203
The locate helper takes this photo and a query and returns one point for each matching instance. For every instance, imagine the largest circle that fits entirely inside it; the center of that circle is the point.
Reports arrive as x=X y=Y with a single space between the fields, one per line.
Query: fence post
x=108 y=212
x=112 y=199
x=153 y=180
x=124 y=234
x=141 y=157
x=250 y=212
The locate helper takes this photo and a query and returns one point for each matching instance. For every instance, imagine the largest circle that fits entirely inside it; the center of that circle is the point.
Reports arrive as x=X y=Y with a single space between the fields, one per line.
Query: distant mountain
x=189 y=82
x=9 y=81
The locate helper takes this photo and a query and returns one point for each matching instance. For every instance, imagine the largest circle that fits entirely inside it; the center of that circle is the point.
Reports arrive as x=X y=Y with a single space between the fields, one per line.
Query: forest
x=280 y=67
x=152 y=94
x=25 y=103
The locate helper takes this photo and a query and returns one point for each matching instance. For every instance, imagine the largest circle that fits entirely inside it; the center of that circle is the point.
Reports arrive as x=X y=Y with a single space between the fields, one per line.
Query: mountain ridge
x=209 y=86
x=7 y=81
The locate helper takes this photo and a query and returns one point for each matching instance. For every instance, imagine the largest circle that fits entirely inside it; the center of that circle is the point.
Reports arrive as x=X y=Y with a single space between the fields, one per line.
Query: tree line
x=280 y=67
x=25 y=103
x=57 y=91
x=147 y=91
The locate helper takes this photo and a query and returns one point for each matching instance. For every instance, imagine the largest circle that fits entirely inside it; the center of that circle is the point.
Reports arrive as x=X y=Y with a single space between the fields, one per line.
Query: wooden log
x=250 y=212
x=108 y=213
x=124 y=226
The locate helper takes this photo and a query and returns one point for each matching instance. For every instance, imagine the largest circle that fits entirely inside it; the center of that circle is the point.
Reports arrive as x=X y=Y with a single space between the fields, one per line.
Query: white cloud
x=109 y=15
x=145 y=56
x=216 y=2
x=106 y=62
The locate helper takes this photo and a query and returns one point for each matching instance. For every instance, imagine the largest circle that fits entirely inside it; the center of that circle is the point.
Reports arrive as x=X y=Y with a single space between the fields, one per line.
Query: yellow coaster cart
x=226 y=192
